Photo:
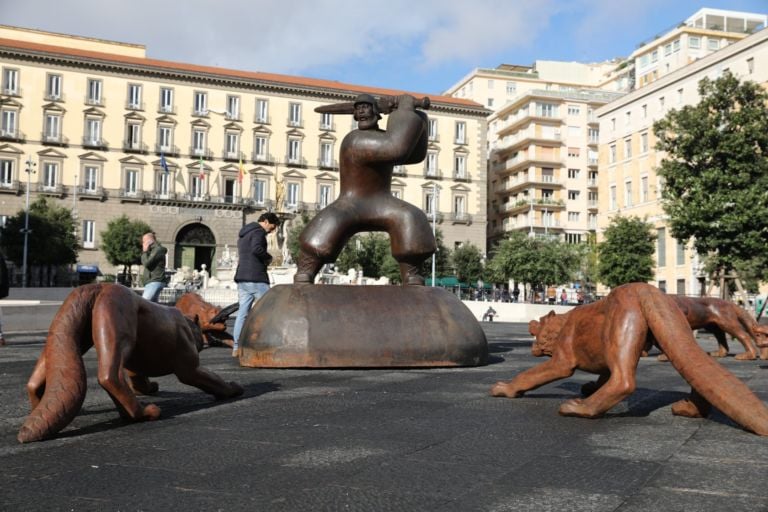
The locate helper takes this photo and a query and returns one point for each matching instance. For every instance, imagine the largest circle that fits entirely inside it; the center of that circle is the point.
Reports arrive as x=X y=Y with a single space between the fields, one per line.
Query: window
x=233 y=107
x=594 y=135
x=546 y=109
x=52 y=127
x=573 y=216
x=751 y=65
x=661 y=240
x=262 y=111
x=612 y=197
x=627 y=148
x=461 y=132
x=294 y=114
x=573 y=174
x=50 y=175
x=432 y=129
x=573 y=195
x=644 y=111
x=489 y=103
x=459 y=206
x=612 y=154
x=326 y=121
x=163 y=183
x=490 y=84
x=292 y=194
x=643 y=142
x=644 y=189
x=90 y=178
x=197 y=187
x=511 y=88
x=53 y=87
x=326 y=154
x=89 y=234
x=232 y=142
x=431 y=164
x=694 y=42
x=661 y=104
x=667 y=49
x=164 y=138
x=662 y=286
x=6 y=172
x=10 y=81
x=93 y=131
x=133 y=136
x=325 y=195
x=198 y=141
x=676 y=45
x=627 y=118
x=713 y=44
x=573 y=152
x=574 y=110
x=260 y=148
x=134 y=96
x=166 y=99
x=679 y=252
x=94 y=92
x=655 y=56
x=8 y=123
x=200 y=104
x=459 y=166
x=679 y=96
x=294 y=151
x=429 y=203
x=574 y=131
x=259 y=191
x=396 y=193
x=131 y=182
x=627 y=193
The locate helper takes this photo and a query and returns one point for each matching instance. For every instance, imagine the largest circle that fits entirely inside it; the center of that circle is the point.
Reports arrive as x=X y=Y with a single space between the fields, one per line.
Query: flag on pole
x=202 y=169
x=163 y=163
x=241 y=171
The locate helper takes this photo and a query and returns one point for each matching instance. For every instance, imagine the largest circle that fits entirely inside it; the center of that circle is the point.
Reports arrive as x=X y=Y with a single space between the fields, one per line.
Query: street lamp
x=30 y=170
x=434 y=229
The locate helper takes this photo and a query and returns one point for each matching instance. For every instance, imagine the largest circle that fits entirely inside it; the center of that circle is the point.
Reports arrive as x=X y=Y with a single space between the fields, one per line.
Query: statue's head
x=366 y=111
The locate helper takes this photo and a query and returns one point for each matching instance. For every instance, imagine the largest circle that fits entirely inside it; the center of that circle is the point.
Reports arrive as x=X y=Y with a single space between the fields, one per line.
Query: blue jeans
x=247 y=294
x=152 y=290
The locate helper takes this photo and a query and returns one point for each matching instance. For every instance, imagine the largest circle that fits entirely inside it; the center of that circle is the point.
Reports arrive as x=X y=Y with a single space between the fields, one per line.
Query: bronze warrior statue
x=365 y=202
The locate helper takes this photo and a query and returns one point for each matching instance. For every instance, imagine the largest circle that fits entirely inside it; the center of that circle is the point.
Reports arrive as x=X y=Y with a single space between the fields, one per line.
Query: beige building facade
x=627 y=181
x=197 y=151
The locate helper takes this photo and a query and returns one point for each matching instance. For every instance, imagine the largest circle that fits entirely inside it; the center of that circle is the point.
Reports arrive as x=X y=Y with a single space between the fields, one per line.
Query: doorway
x=195 y=247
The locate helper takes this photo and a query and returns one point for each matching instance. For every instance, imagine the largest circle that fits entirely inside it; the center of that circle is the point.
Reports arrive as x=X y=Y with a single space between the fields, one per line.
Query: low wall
x=513 y=311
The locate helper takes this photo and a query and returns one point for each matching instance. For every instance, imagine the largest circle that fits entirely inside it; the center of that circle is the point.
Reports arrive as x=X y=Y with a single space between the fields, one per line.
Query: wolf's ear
x=533 y=327
x=225 y=313
x=551 y=314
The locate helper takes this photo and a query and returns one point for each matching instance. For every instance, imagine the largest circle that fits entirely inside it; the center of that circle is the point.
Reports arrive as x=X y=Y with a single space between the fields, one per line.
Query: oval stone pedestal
x=324 y=326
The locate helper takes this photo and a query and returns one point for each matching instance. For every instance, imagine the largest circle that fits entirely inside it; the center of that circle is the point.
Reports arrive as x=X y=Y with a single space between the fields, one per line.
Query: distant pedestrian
x=251 y=275
x=153 y=259
x=563 y=298
x=489 y=314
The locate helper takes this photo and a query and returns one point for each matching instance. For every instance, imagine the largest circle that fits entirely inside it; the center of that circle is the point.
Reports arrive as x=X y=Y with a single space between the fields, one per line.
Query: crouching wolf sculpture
x=134 y=339
x=607 y=338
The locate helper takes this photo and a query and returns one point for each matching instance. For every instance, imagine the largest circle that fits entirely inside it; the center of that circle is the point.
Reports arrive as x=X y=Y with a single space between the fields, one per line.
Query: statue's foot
x=746 y=356
x=415 y=280
x=719 y=353
x=662 y=357
x=303 y=279
x=577 y=407
x=686 y=408
x=151 y=412
x=232 y=390
x=505 y=389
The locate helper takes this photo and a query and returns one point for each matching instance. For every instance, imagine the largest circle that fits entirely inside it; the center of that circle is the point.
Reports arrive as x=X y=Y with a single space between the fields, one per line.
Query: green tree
x=51 y=241
x=442 y=259
x=536 y=261
x=121 y=241
x=626 y=253
x=716 y=173
x=294 y=233
x=467 y=260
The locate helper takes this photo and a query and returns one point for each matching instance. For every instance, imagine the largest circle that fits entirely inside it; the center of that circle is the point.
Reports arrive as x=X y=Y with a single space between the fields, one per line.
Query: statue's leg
x=207 y=381
x=412 y=241
x=745 y=339
x=722 y=343
x=548 y=371
x=323 y=239
x=590 y=387
x=695 y=406
x=36 y=383
x=140 y=384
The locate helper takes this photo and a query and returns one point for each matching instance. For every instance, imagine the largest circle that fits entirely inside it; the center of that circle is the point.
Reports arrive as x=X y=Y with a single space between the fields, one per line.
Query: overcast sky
x=422 y=46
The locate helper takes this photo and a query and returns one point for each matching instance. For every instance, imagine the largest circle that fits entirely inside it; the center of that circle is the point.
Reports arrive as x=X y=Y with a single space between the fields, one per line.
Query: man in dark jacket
x=251 y=274
x=153 y=259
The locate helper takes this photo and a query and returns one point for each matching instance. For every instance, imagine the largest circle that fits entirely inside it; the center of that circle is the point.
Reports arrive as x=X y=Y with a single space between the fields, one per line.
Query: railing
x=89 y=142
x=329 y=127
x=97 y=192
x=327 y=164
x=11 y=186
x=295 y=123
x=13 y=135
x=232 y=156
x=54 y=139
x=296 y=160
x=201 y=152
x=135 y=147
x=262 y=119
x=461 y=176
x=12 y=91
x=259 y=158
x=167 y=109
x=130 y=105
x=433 y=173
x=55 y=97
x=94 y=102
x=167 y=150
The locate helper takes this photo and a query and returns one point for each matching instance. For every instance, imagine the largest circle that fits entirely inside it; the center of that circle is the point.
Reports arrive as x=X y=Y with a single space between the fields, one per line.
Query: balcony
x=461 y=176
x=261 y=158
x=11 y=187
x=592 y=183
x=295 y=161
x=56 y=98
x=131 y=105
x=262 y=119
x=95 y=143
x=592 y=162
x=94 y=102
x=167 y=109
x=433 y=174
x=98 y=193
x=54 y=139
x=204 y=153
x=166 y=150
x=130 y=146
x=295 y=123
x=56 y=190
x=131 y=196
x=12 y=135
x=11 y=91
x=327 y=127
x=437 y=216
x=297 y=207
x=160 y=196
x=331 y=165
x=232 y=156
x=399 y=170
x=233 y=116
x=460 y=218
x=434 y=137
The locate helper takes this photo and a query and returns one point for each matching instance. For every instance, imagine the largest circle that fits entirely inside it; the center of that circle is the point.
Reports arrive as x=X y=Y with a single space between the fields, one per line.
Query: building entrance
x=195 y=246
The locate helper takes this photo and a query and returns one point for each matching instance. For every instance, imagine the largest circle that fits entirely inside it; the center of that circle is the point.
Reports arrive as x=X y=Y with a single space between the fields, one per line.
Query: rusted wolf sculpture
x=607 y=338
x=211 y=319
x=721 y=317
x=134 y=339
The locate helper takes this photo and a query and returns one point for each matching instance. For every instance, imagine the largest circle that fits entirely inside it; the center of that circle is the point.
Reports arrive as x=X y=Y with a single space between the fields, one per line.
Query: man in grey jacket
x=251 y=275
x=153 y=259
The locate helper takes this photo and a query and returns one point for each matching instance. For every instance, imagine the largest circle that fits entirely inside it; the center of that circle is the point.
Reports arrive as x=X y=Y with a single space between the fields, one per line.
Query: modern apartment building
x=706 y=31
x=627 y=181
x=197 y=151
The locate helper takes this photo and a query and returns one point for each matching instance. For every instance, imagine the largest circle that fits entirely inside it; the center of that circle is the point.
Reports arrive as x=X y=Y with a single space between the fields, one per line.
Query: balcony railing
x=55 y=97
x=461 y=218
x=167 y=150
x=13 y=186
x=92 y=192
x=201 y=152
x=329 y=127
x=461 y=176
x=232 y=156
x=130 y=105
x=399 y=170
x=135 y=147
x=260 y=158
x=328 y=164
x=296 y=161
x=262 y=119
x=295 y=123
x=94 y=102
x=12 y=135
x=95 y=143
x=434 y=174
x=167 y=109
x=11 y=91
x=57 y=139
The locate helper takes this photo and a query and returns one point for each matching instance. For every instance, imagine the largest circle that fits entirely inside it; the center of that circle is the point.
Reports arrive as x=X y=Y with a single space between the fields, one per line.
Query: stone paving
x=394 y=439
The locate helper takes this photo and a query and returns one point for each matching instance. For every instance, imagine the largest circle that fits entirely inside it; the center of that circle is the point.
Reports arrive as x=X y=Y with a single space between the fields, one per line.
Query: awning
x=88 y=269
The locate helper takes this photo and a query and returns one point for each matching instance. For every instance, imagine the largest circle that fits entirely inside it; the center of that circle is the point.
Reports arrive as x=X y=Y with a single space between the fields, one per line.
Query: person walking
x=251 y=275
x=153 y=259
